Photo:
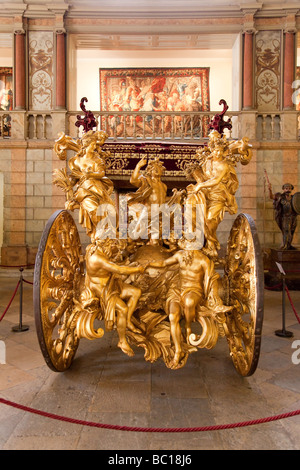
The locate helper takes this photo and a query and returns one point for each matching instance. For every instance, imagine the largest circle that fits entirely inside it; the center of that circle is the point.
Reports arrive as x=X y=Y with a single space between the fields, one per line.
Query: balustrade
x=268 y=126
x=39 y=126
x=122 y=126
x=141 y=125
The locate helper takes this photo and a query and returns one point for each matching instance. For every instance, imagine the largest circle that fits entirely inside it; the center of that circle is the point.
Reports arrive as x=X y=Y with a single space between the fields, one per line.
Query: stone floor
x=105 y=386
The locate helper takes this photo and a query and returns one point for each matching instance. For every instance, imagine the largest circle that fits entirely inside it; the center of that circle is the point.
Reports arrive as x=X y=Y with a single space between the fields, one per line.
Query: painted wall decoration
x=41 y=70
x=6 y=89
x=153 y=90
x=6 y=100
x=267 y=70
x=297 y=89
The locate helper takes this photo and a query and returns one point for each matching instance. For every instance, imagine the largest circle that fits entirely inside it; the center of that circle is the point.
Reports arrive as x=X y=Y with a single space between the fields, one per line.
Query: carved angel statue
x=151 y=192
x=85 y=185
x=151 y=189
x=217 y=183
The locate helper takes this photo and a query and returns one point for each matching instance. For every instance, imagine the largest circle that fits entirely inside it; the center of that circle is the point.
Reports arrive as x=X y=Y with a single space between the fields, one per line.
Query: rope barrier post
x=283 y=332
x=20 y=327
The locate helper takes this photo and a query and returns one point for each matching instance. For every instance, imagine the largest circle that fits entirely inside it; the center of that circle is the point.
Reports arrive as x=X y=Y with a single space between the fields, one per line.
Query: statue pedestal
x=290 y=262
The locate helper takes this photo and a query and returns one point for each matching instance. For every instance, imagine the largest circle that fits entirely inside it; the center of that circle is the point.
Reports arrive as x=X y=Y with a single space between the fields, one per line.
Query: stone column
x=289 y=70
x=60 y=71
x=20 y=71
x=248 y=71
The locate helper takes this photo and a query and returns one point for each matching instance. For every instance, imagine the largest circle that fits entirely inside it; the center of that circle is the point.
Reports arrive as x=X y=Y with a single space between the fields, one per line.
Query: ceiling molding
x=154 y=42
x=155 y=9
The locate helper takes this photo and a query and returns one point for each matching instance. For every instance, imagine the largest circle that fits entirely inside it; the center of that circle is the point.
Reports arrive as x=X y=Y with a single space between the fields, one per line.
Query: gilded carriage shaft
x=152 y=268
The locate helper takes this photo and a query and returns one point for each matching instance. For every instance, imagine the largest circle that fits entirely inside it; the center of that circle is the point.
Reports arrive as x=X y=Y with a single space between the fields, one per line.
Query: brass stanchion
x=283 y=332
x=20 y=327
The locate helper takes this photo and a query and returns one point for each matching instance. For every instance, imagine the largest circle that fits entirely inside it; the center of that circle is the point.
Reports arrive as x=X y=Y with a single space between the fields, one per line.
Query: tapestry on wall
x=154 y=91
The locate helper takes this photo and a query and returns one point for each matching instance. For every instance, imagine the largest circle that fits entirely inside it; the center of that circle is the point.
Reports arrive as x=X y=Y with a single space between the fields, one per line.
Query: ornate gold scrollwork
x=57 y=279
x=243 y=276
x=85 y=326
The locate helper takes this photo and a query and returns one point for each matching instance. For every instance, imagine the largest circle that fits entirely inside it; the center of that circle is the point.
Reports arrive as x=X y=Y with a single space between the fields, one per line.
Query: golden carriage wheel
x=244 y=283
x=58 y=273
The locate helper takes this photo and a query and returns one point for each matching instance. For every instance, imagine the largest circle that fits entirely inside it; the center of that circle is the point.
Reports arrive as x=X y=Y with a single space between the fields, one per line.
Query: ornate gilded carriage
x=152 y=269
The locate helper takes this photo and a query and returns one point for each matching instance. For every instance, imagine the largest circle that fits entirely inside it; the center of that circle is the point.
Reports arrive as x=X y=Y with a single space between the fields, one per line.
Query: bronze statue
x=285 y=214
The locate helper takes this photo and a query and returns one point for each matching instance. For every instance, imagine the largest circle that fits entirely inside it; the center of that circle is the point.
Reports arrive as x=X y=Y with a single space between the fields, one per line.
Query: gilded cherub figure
x=151 y=193
x=103 y=281
x=197 y=283
x=151 y=190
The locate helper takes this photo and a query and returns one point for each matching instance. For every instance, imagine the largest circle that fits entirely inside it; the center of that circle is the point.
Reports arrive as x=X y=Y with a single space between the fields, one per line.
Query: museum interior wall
x=56 y=53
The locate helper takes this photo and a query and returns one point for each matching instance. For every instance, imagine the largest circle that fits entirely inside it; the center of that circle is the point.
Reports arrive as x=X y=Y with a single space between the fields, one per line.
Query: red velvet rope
x=139 y=429
x=274 y=287
x=20 y=266
x=292 y=305
x=9 y=303
x=289 y=297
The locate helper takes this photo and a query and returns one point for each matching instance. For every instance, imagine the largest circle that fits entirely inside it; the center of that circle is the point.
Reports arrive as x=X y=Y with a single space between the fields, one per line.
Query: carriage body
x=164 y=290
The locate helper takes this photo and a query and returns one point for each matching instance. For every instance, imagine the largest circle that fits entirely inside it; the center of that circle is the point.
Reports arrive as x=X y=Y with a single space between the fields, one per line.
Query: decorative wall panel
x=41 y=70
x=267 y=70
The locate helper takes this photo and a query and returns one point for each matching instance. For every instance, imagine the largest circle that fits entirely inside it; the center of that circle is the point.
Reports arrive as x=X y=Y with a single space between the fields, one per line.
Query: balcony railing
x=141 y=125
x=39 y=126
x=126 y=126
x=268 y=126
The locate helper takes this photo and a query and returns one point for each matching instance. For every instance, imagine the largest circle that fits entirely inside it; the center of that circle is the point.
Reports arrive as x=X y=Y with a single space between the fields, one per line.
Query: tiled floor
x=105 y=386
